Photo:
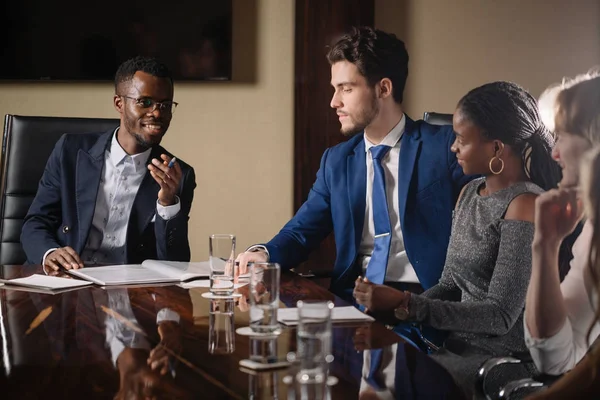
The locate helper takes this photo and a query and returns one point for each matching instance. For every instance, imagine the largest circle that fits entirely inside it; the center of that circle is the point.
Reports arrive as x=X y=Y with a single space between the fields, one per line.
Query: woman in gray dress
x=481 y=294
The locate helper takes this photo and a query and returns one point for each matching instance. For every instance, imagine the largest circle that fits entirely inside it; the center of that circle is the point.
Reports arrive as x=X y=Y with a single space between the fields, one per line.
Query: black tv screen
x=74 y=40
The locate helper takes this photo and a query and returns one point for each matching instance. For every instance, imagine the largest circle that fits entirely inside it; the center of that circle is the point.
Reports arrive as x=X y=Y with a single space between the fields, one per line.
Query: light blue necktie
x=377 y=266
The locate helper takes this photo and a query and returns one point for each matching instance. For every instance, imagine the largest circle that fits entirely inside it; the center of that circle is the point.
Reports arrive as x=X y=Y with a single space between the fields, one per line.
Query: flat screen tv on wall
x=69 y=40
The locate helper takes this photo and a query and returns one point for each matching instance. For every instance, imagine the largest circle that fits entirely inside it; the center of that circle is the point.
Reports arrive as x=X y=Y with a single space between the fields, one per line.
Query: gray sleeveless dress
x=481 y=294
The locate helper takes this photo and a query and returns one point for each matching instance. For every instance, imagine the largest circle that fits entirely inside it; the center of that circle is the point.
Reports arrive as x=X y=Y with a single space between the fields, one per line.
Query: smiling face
x=145 y=125
x=568 y=150
x=353 y=99
x=472 y=149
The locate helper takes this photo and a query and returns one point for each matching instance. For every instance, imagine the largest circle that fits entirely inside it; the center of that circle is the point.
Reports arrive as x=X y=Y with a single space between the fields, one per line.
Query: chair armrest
x=487 y=367
x=513 y=386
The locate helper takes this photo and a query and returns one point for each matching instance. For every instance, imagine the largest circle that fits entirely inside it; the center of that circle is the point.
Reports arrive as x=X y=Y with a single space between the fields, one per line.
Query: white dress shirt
x=560 y=353
x=122 y=176
x=399 y=268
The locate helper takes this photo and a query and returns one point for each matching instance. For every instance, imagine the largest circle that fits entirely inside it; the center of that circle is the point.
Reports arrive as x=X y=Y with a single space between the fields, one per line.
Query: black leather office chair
x=434 y=118
x=26 y=146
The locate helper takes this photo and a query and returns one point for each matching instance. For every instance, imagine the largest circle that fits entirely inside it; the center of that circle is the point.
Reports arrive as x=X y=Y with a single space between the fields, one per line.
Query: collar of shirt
x=392 y=138
x=118 y=155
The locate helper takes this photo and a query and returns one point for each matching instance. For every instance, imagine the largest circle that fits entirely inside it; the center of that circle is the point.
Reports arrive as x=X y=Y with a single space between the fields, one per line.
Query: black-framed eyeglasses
x=147 y=103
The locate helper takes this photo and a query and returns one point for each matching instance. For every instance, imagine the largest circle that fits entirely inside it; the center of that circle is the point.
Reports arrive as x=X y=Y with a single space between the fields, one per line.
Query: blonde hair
x=573 y=106
x=590 y=187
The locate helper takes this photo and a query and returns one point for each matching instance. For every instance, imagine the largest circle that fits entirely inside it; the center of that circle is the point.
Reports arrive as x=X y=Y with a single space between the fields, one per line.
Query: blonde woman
x=559 y=317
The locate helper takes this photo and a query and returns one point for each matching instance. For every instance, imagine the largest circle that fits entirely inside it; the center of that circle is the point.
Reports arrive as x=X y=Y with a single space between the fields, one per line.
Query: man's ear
x=385 y=88
x=118 y=103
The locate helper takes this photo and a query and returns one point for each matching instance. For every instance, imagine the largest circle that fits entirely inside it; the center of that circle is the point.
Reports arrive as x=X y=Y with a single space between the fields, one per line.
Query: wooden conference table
x=54 y=346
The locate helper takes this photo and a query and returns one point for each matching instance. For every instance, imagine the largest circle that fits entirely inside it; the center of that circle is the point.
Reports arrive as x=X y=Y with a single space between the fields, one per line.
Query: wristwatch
x=401 y=312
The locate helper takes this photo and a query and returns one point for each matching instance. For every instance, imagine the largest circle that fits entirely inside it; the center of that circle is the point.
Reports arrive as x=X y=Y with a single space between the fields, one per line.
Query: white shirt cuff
x=46 y=255
x=166 y=314
x=259 y=247
x=168 y=212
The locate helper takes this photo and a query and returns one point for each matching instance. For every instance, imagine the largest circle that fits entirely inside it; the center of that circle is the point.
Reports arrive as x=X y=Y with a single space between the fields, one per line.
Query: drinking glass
x=221 y=326
x=314 y=341
x=264 y=297
x=222 y=263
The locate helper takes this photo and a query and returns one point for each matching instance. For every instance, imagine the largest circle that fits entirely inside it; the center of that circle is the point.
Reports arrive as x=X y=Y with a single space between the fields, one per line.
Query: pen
x=172 y=162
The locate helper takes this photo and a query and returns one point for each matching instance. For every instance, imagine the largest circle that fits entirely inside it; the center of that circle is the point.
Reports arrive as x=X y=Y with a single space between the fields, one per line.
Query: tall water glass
x=222 y=263
x=314 y=341
x=221 y=326
x=264 y=297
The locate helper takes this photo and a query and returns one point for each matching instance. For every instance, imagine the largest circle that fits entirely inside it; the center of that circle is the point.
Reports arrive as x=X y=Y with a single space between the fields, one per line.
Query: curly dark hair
x=151 y=66
x=376 y=54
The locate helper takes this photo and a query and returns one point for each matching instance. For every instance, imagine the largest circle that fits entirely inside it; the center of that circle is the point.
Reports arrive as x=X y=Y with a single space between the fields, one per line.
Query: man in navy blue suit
x=115 y=197
x=388 y=192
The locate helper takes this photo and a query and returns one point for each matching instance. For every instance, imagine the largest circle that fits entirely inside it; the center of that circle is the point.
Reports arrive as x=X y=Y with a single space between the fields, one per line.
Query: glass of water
x=314 y=341
x=222 y=264
x=264 y=297
x=221 y=326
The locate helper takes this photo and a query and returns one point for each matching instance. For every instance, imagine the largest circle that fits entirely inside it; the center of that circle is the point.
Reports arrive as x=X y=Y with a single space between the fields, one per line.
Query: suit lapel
x=357 y=188
x=409 y=150
x=87 y=180
x=144 y=206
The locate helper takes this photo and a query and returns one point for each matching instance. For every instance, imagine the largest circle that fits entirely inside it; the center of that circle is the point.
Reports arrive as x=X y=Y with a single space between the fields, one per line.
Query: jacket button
x=66 y=229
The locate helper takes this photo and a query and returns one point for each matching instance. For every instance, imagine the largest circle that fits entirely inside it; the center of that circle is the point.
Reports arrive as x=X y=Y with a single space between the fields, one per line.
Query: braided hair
x=505 y=111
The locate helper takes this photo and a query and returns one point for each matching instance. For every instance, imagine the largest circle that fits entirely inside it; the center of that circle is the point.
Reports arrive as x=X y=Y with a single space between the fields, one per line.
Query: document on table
x=44 y=283
x=289 y=316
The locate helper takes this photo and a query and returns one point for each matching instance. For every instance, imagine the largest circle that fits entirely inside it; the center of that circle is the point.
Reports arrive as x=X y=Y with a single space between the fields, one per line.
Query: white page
x=46 y=282
x=179 y=269
x=121 y=275
x=289 y=316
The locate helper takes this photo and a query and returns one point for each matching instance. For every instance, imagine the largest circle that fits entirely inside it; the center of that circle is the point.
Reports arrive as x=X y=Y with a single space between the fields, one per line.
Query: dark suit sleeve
x=459 y=179
x=172 y=235
x=45 y=214
x=311 y=224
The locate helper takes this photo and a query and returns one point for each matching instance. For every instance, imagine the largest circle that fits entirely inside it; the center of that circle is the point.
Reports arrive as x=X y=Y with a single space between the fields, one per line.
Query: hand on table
x=63 y=257
x=378 y=300
x=249 y=257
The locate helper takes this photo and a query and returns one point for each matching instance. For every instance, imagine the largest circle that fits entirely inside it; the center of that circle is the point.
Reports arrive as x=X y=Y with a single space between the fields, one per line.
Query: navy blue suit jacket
x=61 y=213
x=430 y=180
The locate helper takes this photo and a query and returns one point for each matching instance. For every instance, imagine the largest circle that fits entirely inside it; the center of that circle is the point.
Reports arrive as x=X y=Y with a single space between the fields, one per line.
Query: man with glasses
x=115 y=197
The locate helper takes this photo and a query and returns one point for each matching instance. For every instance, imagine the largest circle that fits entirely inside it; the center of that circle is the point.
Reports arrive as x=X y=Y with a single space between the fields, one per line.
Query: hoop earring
x=501 y=168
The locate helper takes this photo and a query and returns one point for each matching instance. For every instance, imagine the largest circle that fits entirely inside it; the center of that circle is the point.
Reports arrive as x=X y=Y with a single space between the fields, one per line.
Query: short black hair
x=376 y=54
x=149 y=65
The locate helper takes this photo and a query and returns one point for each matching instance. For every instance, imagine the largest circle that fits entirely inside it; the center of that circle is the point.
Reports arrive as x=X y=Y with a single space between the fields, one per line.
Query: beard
x=143 y=142
x=362 y=119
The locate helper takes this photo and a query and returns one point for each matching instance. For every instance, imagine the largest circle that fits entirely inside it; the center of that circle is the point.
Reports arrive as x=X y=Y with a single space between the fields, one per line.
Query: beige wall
x=237 y=135
x=457 y=45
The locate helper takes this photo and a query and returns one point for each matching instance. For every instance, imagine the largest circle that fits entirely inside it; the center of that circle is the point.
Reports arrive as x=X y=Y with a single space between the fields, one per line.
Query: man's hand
x=379 y=300
x=170 y=343
x=167 y=178
x=557 y=213
x=248 y=257
x=64 y=257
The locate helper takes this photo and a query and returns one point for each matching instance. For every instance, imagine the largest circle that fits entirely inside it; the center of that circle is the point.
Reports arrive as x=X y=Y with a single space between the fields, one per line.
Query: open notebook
x=149 y=271
x=43 y=284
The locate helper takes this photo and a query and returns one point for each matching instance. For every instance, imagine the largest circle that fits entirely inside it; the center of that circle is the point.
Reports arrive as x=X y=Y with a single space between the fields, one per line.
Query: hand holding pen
x=168 y=175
